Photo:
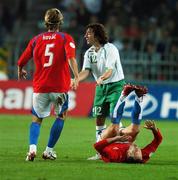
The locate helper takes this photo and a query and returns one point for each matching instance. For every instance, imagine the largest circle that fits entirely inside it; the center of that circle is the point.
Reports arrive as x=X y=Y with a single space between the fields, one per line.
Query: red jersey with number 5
x=50 y=52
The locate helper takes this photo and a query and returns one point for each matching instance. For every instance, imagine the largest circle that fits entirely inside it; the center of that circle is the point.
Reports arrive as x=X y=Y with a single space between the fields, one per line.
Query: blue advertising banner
x=161 y=102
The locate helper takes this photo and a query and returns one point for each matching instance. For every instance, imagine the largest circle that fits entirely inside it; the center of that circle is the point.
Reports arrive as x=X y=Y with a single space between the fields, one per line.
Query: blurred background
x=144 y=31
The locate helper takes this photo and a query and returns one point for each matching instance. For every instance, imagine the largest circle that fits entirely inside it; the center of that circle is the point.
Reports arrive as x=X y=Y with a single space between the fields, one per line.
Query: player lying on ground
x=134 y=127
x=119 y=108
x=120 y=148
x=111 y=151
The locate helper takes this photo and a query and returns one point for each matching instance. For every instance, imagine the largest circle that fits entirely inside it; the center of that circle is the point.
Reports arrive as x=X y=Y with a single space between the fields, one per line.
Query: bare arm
x=150 y=124
x=105 y=76
x=99 y=146
x=74 y=67
x=123 y=138
x=83 y=74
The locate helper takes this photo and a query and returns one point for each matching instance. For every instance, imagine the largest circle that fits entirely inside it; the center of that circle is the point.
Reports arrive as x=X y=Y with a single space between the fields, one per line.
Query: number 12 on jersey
x=49 y=54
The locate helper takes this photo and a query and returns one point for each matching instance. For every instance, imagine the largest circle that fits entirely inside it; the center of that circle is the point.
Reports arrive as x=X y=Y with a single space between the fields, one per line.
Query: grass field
x=73 y=149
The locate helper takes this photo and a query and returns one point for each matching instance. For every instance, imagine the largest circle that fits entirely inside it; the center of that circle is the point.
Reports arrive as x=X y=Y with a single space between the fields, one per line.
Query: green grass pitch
x=74 y=147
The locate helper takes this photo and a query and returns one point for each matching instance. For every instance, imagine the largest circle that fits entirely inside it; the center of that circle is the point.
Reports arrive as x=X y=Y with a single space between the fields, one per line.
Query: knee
x=114 y=129
x=63 y=115
x=37 y=119
x=134 y=135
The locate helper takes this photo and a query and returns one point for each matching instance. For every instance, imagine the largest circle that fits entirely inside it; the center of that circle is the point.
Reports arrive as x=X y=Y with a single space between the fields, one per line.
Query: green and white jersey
x=106 y=58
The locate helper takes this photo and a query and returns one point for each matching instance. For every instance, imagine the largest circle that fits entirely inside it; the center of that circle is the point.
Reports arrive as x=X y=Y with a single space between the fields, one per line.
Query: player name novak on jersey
x=53 y=36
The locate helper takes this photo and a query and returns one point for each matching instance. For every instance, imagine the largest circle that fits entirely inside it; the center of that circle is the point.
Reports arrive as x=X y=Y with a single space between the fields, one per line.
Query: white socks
x=120 y=125
x=33 y=148
x=99 y=130
x=48 y=149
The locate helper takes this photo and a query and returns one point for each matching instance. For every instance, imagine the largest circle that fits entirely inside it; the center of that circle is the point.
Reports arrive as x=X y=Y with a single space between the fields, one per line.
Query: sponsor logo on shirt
x=115 y=148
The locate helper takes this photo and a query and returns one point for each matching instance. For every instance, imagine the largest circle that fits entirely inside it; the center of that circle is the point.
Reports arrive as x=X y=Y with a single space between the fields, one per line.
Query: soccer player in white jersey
x=103 y=61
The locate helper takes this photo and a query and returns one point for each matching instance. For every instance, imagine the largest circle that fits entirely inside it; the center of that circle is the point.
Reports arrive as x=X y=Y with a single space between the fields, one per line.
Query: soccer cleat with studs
x=95 y=157
x=30 y=156
x=49 y=155
x=139 y=90
x=128 y=88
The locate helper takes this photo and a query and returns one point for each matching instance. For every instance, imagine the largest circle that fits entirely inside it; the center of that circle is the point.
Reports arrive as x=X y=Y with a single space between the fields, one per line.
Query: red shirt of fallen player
x=117 y=152
x=50 y=52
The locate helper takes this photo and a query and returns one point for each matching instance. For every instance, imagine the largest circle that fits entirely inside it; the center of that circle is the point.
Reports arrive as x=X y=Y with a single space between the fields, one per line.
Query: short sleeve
x=86 y=62
x=112 y=55
x=69 y=47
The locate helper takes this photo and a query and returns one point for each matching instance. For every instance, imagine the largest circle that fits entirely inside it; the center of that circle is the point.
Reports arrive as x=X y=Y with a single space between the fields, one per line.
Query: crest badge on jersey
x=72 y=45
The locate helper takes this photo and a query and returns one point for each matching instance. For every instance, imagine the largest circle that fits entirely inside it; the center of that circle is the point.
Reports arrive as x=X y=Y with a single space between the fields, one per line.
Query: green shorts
x=106 y=97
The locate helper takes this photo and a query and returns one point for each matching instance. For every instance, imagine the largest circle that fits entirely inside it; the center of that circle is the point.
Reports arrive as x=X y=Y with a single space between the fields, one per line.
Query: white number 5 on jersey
x=50 y=54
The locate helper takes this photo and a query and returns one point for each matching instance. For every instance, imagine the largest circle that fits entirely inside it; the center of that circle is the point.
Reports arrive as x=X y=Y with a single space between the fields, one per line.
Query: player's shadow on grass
x=164 y=163
x=152 y=163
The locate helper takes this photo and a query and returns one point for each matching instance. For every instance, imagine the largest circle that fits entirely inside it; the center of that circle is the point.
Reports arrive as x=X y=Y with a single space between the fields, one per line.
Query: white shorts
x=43 y=102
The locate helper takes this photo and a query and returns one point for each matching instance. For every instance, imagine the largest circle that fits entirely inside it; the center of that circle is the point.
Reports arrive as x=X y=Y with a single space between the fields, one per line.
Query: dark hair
x=99 y=32
x=132 y=160
x=53 y=19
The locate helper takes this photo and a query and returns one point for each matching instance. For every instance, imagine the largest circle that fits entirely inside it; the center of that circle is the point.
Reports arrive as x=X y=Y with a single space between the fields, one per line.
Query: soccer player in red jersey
x=53 y=53
x=120 y=148
x=117 y=145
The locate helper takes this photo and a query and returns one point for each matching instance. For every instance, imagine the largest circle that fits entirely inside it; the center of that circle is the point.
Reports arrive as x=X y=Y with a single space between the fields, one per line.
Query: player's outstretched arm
x=84 y=74
x=152 y=147
x=150 y=124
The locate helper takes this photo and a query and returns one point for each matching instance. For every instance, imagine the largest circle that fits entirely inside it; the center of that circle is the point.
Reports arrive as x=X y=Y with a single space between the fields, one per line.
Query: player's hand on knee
x=124 y=138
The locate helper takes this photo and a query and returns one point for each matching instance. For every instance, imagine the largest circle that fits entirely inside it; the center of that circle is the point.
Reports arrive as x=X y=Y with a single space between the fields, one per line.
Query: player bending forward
x=117 y=144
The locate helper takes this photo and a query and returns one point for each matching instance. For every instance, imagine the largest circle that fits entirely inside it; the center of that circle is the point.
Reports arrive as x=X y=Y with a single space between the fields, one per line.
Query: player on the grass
x=52 y=52
x=117 y=144
x=118 y=111
x=121 y=149
x=103 y=61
